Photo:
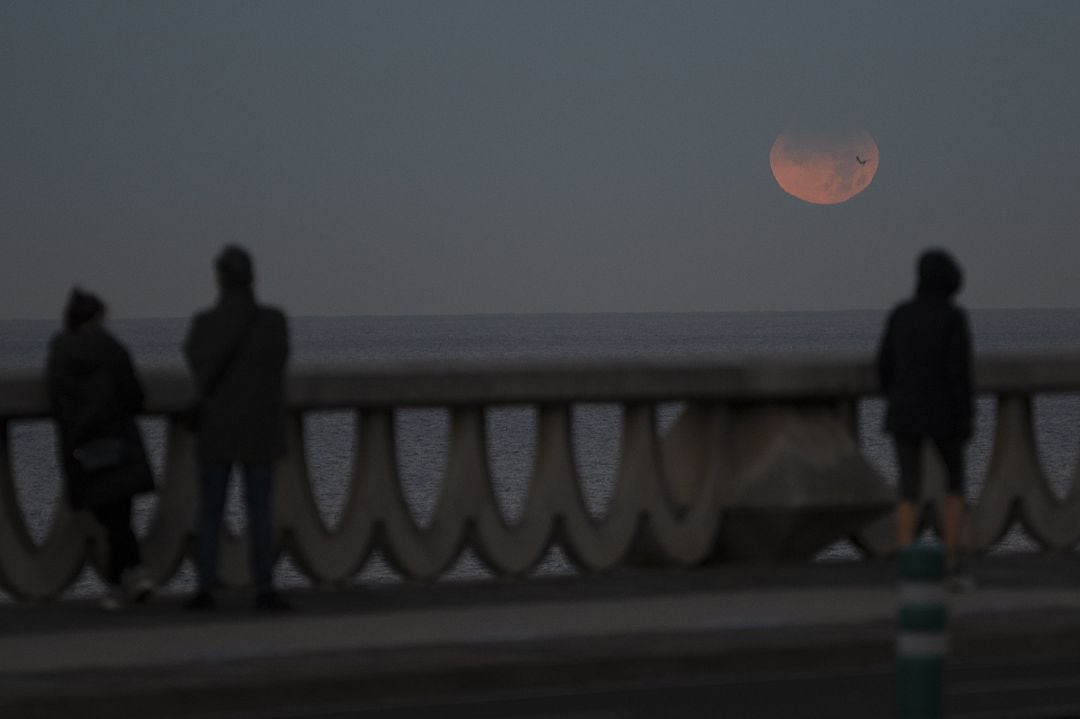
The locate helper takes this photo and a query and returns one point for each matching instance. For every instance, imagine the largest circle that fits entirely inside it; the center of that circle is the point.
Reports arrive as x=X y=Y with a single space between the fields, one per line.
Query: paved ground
x=802 y=640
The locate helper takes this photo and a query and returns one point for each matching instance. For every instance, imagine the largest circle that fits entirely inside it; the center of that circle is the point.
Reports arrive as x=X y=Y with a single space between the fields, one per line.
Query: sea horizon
x=544 y=313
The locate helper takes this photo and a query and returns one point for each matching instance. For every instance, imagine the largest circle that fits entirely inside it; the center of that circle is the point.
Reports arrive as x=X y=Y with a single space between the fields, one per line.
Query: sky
x=466 y=157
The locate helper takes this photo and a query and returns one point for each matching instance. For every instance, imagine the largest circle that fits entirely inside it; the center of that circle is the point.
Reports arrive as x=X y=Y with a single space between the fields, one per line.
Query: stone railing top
x=808 y=377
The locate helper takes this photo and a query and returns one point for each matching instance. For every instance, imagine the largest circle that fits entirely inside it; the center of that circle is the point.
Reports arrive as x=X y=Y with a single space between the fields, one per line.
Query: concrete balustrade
x=762 y=463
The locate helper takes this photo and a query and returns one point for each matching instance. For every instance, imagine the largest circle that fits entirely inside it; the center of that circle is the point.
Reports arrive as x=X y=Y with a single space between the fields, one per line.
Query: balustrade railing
x=762 y=462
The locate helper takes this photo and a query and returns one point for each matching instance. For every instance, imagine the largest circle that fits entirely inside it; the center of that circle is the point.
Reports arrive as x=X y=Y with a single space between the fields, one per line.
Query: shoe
x=960 y=580
x=114 y=600
x=201 y=601
x=961 y=583
x=271 y=602
x=137 y=584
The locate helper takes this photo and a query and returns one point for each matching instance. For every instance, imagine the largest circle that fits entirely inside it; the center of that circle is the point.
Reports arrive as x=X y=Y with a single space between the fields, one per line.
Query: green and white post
x=922 y=639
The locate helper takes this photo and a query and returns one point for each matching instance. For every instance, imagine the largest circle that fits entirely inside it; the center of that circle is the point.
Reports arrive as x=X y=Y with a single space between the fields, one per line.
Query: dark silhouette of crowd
x=237 y=352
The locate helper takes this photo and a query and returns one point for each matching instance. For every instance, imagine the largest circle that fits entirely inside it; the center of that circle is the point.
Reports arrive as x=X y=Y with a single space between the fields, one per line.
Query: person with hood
x=95 y=396
x=237 y=352
x=924 y=366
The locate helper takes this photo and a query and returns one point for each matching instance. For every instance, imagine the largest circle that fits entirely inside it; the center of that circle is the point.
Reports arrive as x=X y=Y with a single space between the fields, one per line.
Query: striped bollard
x=922 y=639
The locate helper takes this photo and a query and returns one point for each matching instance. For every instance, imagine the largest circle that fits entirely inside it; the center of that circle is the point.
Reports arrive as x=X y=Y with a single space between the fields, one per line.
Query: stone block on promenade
x=799 y=483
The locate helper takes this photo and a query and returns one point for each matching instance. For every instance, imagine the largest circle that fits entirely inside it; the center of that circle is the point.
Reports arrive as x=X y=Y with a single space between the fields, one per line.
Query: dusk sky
x=461 y=157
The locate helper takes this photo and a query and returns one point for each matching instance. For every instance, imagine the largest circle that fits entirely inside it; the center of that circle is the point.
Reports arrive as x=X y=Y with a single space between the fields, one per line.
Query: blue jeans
x=258 y=479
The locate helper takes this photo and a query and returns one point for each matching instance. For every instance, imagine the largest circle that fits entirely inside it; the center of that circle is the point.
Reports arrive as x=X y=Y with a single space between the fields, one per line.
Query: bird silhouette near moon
x=824 y=168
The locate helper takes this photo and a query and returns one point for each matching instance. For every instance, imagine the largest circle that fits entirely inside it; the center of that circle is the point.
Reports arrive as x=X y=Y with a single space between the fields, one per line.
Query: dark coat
x=242 y=416
x=95 y=394
x=924 y=362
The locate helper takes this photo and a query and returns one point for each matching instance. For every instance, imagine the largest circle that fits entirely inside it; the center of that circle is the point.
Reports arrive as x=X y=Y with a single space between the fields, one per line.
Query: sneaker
x=961 y=583
x=201 y=601
x=960 y=580
x=114 y=600
x=271 y=602
x=137 y=584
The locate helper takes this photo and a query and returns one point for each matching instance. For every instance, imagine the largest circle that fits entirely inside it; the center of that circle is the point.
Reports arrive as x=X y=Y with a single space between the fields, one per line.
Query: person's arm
x=959 y=362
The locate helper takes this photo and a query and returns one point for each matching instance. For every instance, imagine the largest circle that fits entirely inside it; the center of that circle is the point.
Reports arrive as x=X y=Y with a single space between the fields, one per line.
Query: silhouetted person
x=237 y=352
x=95 y=396
x=924 y=364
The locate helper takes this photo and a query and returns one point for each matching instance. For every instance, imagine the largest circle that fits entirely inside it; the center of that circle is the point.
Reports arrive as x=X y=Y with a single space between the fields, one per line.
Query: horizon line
x=403 y=315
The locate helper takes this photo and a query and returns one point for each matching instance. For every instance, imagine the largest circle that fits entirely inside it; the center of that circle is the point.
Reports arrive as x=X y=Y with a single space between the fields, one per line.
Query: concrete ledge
x=812 y=377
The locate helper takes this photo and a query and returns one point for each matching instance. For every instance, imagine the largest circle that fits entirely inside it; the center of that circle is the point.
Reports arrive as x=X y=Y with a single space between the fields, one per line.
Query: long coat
x=95 y=394
x=924 y=366
x=237 y=352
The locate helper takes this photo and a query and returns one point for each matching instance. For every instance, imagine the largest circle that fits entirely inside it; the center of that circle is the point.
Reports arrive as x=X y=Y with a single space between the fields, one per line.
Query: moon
x=824 y=168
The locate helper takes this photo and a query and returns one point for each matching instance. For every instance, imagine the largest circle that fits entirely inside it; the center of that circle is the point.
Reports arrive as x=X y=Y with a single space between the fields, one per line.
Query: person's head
x=83 y=310
x=234 y=269
x=939 y=274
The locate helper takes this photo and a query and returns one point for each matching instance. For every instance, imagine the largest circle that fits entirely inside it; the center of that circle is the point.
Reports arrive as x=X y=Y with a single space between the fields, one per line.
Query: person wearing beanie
x=924 y=367
x=95 y=397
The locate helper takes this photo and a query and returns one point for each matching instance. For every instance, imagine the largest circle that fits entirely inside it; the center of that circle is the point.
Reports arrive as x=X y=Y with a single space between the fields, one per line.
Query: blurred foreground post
x=921 y=639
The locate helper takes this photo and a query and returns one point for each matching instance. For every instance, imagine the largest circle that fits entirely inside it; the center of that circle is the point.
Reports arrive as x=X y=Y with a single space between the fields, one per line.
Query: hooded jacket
x=924 y=360
x=95 y=394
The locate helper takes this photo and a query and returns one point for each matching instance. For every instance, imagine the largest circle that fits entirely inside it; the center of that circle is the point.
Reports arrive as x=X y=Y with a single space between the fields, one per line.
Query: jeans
x=123 y=547
x=258 y=480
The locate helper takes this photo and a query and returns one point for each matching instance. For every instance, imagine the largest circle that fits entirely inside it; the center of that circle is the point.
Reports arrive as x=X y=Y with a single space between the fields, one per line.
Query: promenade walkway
x=450 y=648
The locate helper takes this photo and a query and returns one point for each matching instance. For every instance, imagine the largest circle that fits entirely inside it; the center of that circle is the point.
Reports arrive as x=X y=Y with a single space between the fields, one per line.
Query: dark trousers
x=258 y=479
x=123 y=547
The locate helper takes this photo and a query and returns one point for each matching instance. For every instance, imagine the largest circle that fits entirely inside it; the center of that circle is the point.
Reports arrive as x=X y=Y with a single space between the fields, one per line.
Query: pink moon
x=824 y=169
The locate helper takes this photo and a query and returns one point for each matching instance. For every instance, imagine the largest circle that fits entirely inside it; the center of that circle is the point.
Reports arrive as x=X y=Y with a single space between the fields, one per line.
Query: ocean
x=338 y=341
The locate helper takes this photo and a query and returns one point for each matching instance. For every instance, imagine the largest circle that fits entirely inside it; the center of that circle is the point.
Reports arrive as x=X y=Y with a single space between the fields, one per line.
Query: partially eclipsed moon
x=825 y=170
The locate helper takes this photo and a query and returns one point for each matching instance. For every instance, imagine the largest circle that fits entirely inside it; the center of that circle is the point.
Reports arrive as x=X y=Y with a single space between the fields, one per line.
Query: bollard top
x=922 y=561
